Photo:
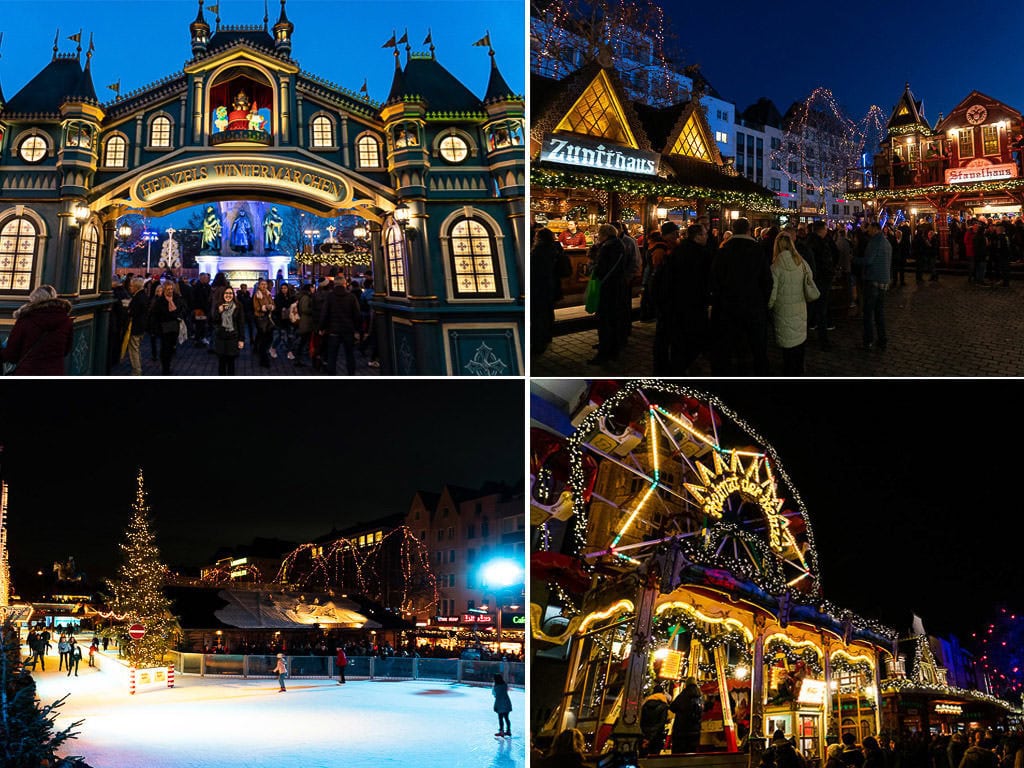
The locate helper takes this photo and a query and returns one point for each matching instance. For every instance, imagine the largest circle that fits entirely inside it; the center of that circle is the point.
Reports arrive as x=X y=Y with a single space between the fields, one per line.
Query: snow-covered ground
x=220 y=723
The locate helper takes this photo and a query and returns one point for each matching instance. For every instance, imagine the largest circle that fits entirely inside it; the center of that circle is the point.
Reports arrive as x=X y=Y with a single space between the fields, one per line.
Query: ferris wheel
x=652 y=461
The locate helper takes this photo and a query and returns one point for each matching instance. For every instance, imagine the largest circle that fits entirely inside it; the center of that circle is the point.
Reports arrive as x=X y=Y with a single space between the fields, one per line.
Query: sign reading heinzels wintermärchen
x=245 y=142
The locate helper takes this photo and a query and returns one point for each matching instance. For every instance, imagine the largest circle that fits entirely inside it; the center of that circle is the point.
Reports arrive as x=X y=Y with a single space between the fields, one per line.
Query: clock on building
x=976 y=114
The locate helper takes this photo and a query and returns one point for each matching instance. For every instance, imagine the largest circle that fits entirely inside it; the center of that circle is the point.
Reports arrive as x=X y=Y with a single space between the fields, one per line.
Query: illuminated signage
x=236 y=171
x=811 y=691
x=581 y=153
x=477 y=618
x=948 y=709
x=447 y=619
x=984 y=172
x=671 y=665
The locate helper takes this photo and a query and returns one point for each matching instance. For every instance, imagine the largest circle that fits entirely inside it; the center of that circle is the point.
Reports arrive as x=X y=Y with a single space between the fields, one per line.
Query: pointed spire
x=497 y=88
x=200 y=32
x=430 y=41
x=283 y=32
x=55 y=38
x=78 y=41
x=266 y=15
x=88 y=54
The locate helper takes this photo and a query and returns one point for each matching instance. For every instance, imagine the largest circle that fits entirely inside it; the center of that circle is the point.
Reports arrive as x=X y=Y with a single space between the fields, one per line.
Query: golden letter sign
x=225 y=171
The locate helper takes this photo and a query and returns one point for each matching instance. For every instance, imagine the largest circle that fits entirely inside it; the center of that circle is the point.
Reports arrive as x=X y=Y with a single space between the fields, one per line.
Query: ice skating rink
x=222 y=723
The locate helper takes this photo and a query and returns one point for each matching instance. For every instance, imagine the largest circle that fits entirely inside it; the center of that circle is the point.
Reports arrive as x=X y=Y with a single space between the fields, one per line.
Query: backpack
x=293 y=312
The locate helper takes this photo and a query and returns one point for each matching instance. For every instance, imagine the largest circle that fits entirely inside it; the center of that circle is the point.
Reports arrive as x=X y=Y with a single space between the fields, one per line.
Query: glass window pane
x=18 y=242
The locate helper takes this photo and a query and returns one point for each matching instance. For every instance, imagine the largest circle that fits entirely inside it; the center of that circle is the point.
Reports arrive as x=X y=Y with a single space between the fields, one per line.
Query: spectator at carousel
x=852 y=755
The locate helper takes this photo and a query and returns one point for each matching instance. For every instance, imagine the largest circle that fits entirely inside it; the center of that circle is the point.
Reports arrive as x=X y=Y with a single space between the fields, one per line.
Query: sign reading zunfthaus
x=581 y=153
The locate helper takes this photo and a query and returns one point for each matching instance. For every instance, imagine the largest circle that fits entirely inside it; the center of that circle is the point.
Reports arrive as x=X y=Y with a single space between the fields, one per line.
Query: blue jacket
x=876 y=262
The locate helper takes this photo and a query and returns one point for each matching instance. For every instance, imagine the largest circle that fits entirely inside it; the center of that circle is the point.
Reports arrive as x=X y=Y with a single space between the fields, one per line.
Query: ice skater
x=342 y=662
x=63 y=646
x=502 y=705
x=74 y=656
x=281 y=670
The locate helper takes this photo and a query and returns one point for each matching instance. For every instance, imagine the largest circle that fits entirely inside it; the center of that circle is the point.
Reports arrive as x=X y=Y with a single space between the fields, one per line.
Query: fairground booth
x=435 y=173
x=596 y=156
x=962 y=166
x=669 y=542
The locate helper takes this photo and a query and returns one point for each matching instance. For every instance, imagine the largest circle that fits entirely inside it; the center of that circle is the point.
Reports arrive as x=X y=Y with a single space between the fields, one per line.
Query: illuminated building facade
x=437 y=171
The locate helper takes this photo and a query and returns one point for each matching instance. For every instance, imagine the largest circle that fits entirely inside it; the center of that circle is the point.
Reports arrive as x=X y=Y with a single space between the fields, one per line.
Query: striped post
x=170 y=676
x=131 y=681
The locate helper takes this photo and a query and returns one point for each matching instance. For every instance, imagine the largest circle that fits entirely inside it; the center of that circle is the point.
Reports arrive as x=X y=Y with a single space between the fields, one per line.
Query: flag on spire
x=214 y=8
x=363 y=89
x=390 y=43
x=92 y=46
x=485 y=41
x=115 y=87
x=428 y=41
x=404 y=38
x=75 y=38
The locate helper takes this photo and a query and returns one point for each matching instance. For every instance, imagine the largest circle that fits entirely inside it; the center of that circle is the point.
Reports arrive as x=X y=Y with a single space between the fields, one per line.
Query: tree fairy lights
x=138 y=588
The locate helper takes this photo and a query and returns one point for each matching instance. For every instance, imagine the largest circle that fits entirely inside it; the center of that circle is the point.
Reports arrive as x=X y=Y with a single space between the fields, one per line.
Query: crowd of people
x=310 y=325
x=724 y=297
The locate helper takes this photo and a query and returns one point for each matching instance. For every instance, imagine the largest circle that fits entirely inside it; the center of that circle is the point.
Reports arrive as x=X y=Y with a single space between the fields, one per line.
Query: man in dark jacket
x=138 y=315
x=688 y=707
x=822 y=255
x=679 y=288
x=202 y=297
x=118 y=321
x=339 y=320
x=653 y=717
x=740 y=286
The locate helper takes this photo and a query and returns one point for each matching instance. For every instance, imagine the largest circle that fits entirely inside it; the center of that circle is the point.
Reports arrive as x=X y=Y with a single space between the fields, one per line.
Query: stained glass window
x=473 y=261
x=453 y=149
x=160 y=132
x=33 y=149
x=114 y=152
x=323 y=132
x=369 y=152
x=396 y=259
x=18 y=240
x=90 y=258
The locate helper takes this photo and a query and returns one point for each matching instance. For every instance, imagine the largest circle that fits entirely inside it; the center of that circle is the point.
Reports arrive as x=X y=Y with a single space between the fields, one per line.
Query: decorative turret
x=200 y=32
x=283 y=33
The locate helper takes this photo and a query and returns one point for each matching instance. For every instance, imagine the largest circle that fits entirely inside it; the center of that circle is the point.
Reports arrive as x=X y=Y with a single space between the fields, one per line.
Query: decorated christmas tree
x=138 y=597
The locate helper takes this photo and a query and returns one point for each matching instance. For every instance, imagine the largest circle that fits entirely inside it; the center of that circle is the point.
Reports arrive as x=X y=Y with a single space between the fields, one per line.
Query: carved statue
x=241 y=101
x=272 y=224
x=241 y=232
x=211 y=230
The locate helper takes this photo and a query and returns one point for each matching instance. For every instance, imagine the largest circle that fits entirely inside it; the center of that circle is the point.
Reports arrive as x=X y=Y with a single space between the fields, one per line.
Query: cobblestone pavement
x=945 y=328
x=190 y=360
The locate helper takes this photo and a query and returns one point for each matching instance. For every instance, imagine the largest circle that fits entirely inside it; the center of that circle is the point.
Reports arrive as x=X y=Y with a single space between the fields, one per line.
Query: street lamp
x=149 y=235
x=501 y=575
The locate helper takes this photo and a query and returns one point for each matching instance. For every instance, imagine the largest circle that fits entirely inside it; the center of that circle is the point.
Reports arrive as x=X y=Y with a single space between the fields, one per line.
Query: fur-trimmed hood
x=63 y=306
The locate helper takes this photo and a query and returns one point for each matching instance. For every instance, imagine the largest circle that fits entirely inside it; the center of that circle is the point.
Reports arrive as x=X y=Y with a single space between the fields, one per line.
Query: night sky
x=227 y=462
x=141 y=41
x=864 y=54
x=911 y=488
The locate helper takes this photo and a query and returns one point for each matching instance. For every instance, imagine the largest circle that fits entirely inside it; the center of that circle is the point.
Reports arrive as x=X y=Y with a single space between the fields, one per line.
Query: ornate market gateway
x=243 y=122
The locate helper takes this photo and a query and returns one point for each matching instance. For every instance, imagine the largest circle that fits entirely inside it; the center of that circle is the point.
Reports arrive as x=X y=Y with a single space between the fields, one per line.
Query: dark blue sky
x=142 y=41
x=863 y=53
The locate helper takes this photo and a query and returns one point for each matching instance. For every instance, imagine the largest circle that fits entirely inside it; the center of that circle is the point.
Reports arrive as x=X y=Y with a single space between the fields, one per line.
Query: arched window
x=19 y=241
x=474 y=267
x=395 y=248
x=368 y=151
x=115 y=151
x=160 y=131
x=322 y=131
x=90 y=258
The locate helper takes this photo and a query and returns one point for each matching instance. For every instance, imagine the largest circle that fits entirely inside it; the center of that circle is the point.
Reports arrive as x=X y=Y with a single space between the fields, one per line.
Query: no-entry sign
x=136 y=631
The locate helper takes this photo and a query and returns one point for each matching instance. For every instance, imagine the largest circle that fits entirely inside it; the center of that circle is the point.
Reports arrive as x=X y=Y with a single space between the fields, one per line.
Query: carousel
x=669 y=543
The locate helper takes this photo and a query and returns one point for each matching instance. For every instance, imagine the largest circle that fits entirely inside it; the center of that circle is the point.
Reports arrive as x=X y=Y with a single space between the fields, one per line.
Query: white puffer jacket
x=787 y=302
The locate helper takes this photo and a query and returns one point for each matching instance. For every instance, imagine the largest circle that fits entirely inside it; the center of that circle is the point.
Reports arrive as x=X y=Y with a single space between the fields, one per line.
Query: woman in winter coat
x=502 y=705
x=165 y=312
x=228 y=331
x=788 y=301
x=41 y=336
x=307 y=323
x=263 y=307
x=609 y=267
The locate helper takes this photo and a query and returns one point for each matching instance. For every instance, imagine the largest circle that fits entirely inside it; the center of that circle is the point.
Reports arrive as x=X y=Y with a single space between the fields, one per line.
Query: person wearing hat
x=688 y=707
x=281 y=669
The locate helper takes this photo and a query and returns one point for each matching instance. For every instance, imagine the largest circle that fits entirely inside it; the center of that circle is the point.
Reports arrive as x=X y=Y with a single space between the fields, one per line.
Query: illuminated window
x=473 y=263
x=598 y=113
x=90 y=258
x=33 y=149
x=323 y=131
x=79 y=135
x=505 y=134
x=966 y=144
x=369 y=152
x=914 y=152
x=378 y=536
x=454 y=149
x=18 y=241
x=990 y=139
x=395 y=247
x=691 y=141
x=160 y=132
x=114 y=152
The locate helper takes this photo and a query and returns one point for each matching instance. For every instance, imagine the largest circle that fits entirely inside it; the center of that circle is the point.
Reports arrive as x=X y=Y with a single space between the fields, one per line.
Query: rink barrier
x=359 y=668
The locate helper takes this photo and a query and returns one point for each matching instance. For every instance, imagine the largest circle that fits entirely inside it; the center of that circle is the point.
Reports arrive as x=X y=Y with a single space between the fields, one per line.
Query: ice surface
x=234 y=723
